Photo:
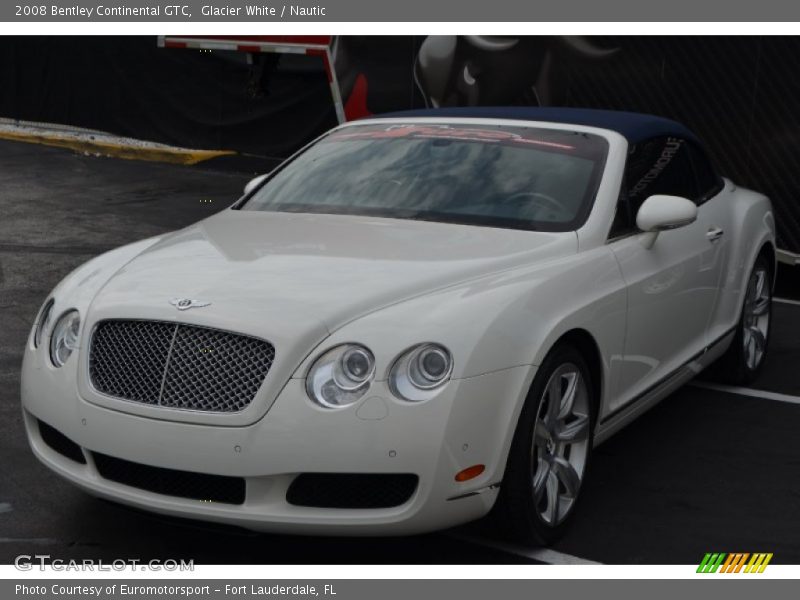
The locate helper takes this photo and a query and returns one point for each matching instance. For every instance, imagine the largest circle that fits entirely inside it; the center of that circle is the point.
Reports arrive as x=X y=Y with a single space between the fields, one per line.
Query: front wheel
x=550 y=452
x=743 y=360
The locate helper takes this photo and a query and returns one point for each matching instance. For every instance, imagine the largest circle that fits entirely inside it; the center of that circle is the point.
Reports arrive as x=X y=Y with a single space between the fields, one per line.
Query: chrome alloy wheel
x=756 y=318
x=560 y=444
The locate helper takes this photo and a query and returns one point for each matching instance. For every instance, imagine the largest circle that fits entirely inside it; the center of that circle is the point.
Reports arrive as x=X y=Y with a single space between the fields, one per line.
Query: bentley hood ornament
x=187 y=303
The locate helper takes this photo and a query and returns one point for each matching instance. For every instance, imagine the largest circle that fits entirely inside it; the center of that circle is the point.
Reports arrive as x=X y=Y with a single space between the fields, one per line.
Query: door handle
x=714 y=234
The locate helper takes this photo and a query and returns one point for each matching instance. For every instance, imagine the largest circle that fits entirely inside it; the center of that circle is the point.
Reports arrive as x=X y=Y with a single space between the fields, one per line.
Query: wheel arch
x=585 y=343
x=767 y=250
x=582 y=341
x=763 y=248
x=753 y=236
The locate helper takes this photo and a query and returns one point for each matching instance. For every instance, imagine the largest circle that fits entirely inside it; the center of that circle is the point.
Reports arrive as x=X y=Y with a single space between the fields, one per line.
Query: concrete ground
x=706 y=470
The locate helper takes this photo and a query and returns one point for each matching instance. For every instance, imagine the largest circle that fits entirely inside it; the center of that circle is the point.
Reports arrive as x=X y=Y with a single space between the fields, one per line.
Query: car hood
x=293 y=279
x=290 y=268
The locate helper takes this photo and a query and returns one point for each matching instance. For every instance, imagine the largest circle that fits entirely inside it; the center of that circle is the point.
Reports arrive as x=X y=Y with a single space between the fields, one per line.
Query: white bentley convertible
x=413 y=320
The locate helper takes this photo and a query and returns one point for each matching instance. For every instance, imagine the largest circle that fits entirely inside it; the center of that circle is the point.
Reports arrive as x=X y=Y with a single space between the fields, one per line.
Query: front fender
x=503 y=320
x=753 y=226
x=503 y=325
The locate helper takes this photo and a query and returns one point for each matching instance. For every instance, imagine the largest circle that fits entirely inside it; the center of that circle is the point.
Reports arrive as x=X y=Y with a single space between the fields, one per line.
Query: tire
x=545 y=470
x=742 y=362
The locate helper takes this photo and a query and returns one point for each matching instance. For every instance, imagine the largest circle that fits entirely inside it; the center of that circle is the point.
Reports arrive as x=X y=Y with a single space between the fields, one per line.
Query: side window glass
x=656 y=166
x=624 y=223
x=661 y=166
x=708 y=182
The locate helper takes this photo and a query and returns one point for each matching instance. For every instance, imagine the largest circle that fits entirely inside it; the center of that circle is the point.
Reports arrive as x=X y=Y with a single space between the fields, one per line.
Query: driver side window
x=659 y=165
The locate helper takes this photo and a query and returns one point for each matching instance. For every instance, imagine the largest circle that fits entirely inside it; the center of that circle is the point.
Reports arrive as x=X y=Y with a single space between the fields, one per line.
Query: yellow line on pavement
x=182 y=156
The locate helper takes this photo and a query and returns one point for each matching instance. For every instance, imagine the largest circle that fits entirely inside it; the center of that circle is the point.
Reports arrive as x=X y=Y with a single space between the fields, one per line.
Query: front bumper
x=470 y=422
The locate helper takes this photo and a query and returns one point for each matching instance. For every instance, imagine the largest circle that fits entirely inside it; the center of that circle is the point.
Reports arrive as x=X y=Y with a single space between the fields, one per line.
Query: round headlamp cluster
x=418 y=373
x=343 y=375
x=65 y=337
x=42 y=322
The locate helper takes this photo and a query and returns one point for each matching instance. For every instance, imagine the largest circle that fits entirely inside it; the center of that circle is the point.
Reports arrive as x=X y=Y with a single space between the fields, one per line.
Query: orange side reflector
x=470 y=473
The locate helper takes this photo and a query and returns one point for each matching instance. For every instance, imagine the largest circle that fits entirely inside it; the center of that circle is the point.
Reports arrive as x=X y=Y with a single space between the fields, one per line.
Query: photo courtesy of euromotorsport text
x=66 y=590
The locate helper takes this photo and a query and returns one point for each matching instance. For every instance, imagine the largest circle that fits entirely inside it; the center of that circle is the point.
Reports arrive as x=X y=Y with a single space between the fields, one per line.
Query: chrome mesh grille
x=178 y=365
x=128 y=358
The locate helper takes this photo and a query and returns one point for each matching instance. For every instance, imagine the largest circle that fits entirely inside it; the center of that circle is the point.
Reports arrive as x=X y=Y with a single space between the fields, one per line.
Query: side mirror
x=660 y=213
x=254 y=183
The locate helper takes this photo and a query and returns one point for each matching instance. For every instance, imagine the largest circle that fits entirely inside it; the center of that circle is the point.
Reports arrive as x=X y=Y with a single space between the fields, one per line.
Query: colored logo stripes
x=735 y=562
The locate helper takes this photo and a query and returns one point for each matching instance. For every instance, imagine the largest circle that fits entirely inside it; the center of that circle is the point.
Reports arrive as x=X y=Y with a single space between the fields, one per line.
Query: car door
x=671 y=287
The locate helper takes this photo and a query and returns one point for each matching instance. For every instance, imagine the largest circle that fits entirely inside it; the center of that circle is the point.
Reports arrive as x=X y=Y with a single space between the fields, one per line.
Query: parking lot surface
x=706 y=470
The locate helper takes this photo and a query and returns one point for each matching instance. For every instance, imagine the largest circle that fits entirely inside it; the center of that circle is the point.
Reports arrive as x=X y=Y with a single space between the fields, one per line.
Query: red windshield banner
x=468 y=134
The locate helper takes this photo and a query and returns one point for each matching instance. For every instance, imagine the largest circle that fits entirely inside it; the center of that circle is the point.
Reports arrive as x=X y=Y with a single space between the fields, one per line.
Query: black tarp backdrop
x=740 y=94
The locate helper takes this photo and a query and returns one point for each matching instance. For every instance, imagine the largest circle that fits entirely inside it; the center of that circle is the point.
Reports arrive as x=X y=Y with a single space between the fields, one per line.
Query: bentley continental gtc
x=416 y=320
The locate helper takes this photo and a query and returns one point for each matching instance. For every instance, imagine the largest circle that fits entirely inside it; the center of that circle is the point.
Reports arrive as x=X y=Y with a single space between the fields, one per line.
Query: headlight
x=420 y=371
x=341 y=376
x=42 y=322
x=65 y=337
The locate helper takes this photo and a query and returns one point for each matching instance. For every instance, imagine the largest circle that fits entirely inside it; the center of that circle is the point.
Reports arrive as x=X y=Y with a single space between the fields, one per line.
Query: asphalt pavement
x=706 y=470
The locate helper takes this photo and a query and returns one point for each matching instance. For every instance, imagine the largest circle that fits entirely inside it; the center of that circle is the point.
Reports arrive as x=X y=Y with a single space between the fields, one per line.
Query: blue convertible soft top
x=634 y=126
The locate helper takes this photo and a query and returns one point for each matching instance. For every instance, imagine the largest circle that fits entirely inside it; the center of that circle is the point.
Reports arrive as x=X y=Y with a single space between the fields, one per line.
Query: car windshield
x=496 y=176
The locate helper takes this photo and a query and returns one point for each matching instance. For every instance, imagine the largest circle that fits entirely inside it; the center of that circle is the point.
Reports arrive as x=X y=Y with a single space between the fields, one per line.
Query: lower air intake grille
x=175 y=365
x=61 y=443
x=170 y=482
x=351 y=490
